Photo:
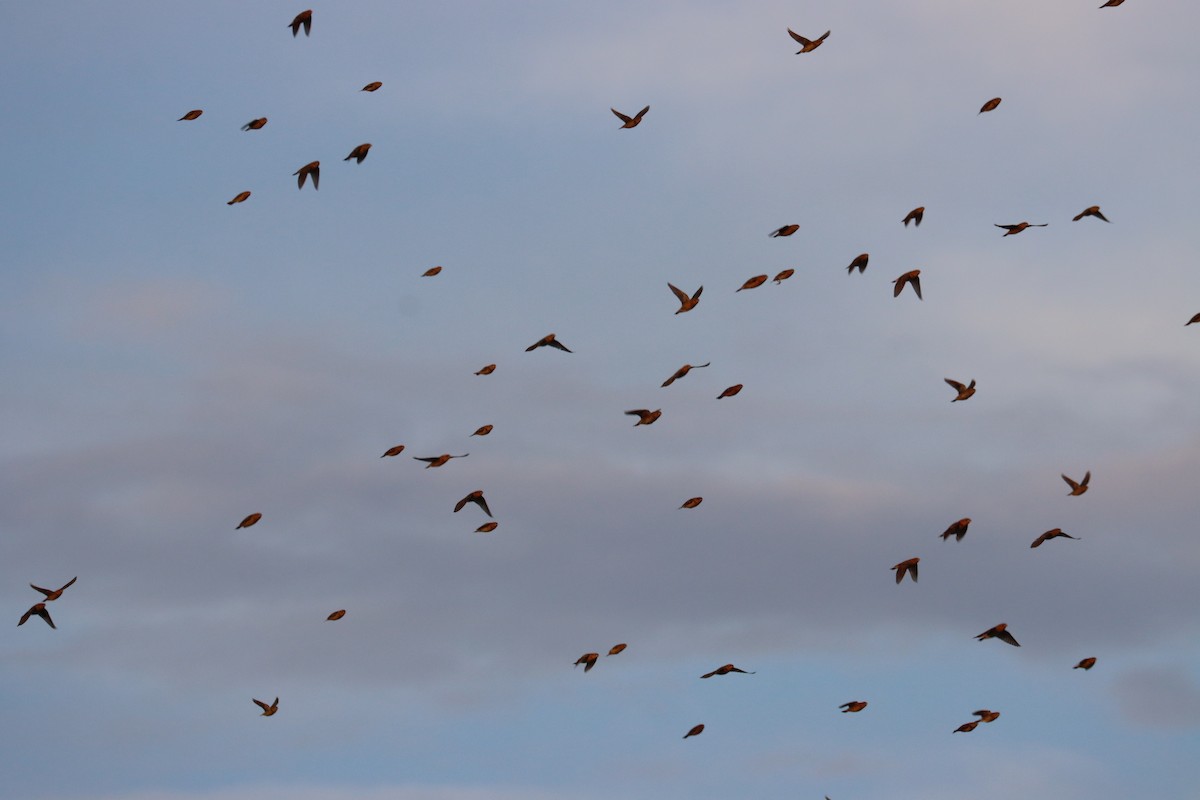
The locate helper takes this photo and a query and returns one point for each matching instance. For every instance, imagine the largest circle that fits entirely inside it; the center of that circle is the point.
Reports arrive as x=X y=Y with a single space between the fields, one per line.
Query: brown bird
x=548 y=341
x=1086 y=664
x=1051 y=534
x=753 y=283
x=267 y=710
x=854 y=706
x=1196 y=318
x=731 y=391
x=915 y=216
x=483 y=430
x=696 y=731
x=967 y=727
x=990 y=105
x=240 y=198
x=248 y=521
x=631 y=122
x=40 y=610
x=964 y=392
x=784 y=275
x=986 y=715
x=685 y=303
x=909 y=566
x=191 y=115
x=372 y=86
x=786 y=230
x=311 y=168
x=336 y=615
x=429 y=273
x=255 y=124
x=303 y=18
x=645 y=416
x=1090 y=211
x=1078 y=488
x=999 y=632
x=957 y=529
x=393 y=451
x=54 y=594
x=725 y=670
x=808 y=45
x=437 y=461
x=617 y=648
x=686 y=368
x=358 y=153
x=692 y=502
x=913 y=277
x=487 y=527
x=1020 y=226
x=488 y=370
x=475 y=497
x=588 y=660
x=859 y=263
x=1112 y=3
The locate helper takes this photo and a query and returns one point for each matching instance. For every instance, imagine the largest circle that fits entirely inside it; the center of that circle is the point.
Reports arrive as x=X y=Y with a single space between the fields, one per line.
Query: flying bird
x=645 y=416
x=967 y=727
x=54 y=594
x=685 y=303
x=964 y=392
x=240 y=198
x=303 y=18
x=372 y=86
x=341 y=612
x=437 y=461
x=990 y=105
x=730 y=392
x=753 y=283
x=1112 y=3
x=311 y=168
x=483 y=430
x=692 y=502
x=255 y=124
x=429 y=273
x=1086 y=663
x=784 y=275
x=999 y=632
x=548 y=341
x=786 y=230
x=686 y=368
x=1051 y=534
x=487 y=527
x=859 y=263
x=808 y=45
x=191 y=115
x=248 y=521
x=957 y=529
x=40 y=610
x=267 y=710
x=1078 y=488
x=1020 y=226
x=854 y=706
x=909 y=566
x=1196 y=318
x=588 y=660
x=475 y=497
x=358 y=153
x=631 y=122
x=913 y=277
x=393 y=451
x=696 y=731
x=725 y=670
x=617 y=648
x=488 y=370
x=915 y=216
x=1090 y=211
x=986 y=716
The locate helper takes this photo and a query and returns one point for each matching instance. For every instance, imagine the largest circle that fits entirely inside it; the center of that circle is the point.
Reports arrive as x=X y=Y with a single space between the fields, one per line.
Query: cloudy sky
x=172 y=363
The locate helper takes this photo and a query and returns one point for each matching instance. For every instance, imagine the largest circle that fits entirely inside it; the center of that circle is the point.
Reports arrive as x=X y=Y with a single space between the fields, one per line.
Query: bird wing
x=696 y=296
x=1005 y=636
x=1086 y=477
x=957 y=386
x=261 y=704
x=709 y=675
x=459 y=505
x=1039 y=540
x=427 y=460
x=683 y=298
x=1070 y=483
x=46 y=592
x=621 y=116
x=316 y=176
x=559 y=345
x=479 y=501
x=799 y=38
x=916 y=284
x=641 y=113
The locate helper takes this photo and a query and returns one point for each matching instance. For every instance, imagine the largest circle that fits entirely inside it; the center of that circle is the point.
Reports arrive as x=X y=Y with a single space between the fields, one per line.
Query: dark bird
x=730 y=392
x=692 y=502
x=372 y=86
x=725 y=670
x=1020 y=226
x=1078 y=488
x=358 y=154
x=696 y=731
x=40 y=610
x=990 y=105
x=617 y=648
x=336 y=615
x=753 y=283
x=588 y=660
x=54 y=594
x=686 y=368
x=808 y=45
x=1090 y=211
x=1086 y=664
x=1112 y=3
x=1051 y=534
x=248 y=521
x=303 y=18
x=786 y=230
x=311 y=168
x=488 y=370
x=859 y=263
x=957 y=529
x=255 y=124
x=475 y=497
x=483 y=430
x=854 y=706
x=191 y=115
x=964 y=392
x=784 y=275
x=645 y=416
x=240 y=198
x=267 y=710
x=986 y=716
x=909 y=566
x=487 y=527
x=437 y=461
x=393 y=451
x=548 y=341
x=913 y=277
x=999 y=632
x=631 y=122
x=967 y=727
x=915 y=216
x=429 y=273
x=685 y=303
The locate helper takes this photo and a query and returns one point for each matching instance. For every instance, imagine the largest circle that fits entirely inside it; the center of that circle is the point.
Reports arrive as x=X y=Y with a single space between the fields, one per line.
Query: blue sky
x=173 y=364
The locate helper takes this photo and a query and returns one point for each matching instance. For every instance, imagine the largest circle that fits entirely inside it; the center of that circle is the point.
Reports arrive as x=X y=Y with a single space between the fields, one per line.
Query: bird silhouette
x=1112 y=3
x=913 y=277
x=1051 y=534
x=372 y=86
x=685 y=303
x=482 y=430
x=588 y=660
x=730 y=392
x=1195 y=318
x=341 y=612
x=267 y=710
x=358 y=153
x=986 y=716
x=631 y=122
x=964 y=391
x=487 y=527
x=999 y=632
x=429 y=273
x=37 y=609
x=1090 y=211
x=753 y=283
x=685 y=369
x=548 y=340
x=915 y=216
x=1020 y=226
x=54 y=594
x=786 y=230
x=191 y=115
x=990 y=105
x=808 y=45
x=908 y=566
x=692 y=502
x=645 y=416
x=241 y=197
x=1086 y=664
x=393 y=451
x=250 y=520
x=853 y=707
x=437 y=461
x=859 y=263
x=488 y=370
x=695 y=731
x=617 y=648
x=303 y=18
x=957 y=529
x=311 y=168
x=783 y=275
x=255 y=124
x=725 y=670
x=1078 y=488
x=967 y=727
x=475 y=497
